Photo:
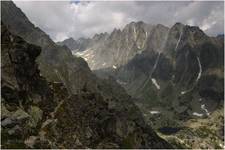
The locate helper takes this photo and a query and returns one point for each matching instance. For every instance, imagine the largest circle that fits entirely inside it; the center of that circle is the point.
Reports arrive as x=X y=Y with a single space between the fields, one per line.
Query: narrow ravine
x=200 y=69
x=196 y=81
x=178 y=42
x=152 y=71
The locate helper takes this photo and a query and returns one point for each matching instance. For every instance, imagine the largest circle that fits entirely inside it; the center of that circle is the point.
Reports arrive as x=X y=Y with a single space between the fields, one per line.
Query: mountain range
x=51 y=99
x=161 y=66
x=175 y=72
x=124 y=89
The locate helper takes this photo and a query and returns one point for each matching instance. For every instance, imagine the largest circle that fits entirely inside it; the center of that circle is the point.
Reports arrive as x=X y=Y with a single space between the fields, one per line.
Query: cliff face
x=56 y=63
x=177 y=72
x=26 y=96
x=116 y=49
x=37 y=114
x=41 y=114
x=162 y=67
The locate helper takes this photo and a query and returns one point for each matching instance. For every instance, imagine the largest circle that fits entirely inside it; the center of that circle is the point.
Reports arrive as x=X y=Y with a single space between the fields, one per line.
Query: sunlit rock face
x=116 y=49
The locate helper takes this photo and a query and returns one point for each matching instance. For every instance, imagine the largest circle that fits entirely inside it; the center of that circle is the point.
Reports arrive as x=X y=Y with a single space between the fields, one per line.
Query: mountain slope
x=75 y=45
x=70 y=43
x=168 y=67
x=55 y=60
x=177 y=75
x=80 y=111
x=116 y=49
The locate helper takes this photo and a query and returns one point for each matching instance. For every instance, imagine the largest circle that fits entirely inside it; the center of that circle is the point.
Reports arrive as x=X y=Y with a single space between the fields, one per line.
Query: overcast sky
x=63 y=19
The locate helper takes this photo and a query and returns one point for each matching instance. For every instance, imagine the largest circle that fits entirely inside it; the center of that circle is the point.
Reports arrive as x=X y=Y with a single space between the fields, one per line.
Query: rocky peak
x=135 y=24
x=140 y=23
x=177 y=25
x=135 y=27
x=157 y=38
x=83 y=41
x=177 y=28
x=160 y=26
x=115 y=31
x=70 y=43
x=100 y=36
x=193 y=31
x=70 y=39
x=180 y=36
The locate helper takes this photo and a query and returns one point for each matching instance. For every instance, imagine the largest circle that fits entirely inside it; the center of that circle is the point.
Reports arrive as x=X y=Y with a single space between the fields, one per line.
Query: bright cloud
x=63 y=19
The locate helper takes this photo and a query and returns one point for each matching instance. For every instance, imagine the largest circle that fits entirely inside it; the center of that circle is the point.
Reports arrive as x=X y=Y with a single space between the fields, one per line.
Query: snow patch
x=197 y=114
x=114 y=67
x=221 y=145
x=200 y=69
x=183 y=92
x=135 y=34
x=86 y=54
x=204 y=108
x=74 y=52
x=156 y=63
x=178 y=41
x=154 y=112
x=138 y=47
x=155 y=83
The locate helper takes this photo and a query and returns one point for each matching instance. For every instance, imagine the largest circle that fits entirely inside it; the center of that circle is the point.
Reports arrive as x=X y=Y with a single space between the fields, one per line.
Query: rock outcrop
x=38 y=113
x=26 y=98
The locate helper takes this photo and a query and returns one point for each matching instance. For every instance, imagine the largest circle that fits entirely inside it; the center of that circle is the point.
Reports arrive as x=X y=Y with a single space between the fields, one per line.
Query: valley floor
x=196 y=133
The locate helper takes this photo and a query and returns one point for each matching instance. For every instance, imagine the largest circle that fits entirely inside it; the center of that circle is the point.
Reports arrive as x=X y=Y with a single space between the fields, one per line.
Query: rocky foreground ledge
x=41 y=114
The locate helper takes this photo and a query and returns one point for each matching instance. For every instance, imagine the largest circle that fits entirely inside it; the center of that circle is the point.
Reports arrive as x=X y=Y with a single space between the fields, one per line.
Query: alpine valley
x=143 y=86
x=175 y=75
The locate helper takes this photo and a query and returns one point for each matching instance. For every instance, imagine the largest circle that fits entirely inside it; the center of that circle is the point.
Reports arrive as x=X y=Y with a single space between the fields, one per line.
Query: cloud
x=63 y=19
